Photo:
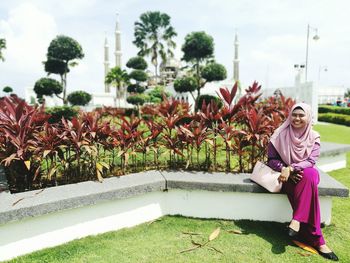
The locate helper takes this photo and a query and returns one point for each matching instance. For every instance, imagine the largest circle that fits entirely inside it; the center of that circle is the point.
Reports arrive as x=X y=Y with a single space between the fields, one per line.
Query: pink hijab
x=295 y=145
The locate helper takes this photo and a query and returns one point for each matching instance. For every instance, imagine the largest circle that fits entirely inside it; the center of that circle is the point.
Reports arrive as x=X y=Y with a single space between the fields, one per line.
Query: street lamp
x=315 y=37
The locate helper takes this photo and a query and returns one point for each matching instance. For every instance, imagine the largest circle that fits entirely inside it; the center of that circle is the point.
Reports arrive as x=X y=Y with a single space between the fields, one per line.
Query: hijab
x=295 y=145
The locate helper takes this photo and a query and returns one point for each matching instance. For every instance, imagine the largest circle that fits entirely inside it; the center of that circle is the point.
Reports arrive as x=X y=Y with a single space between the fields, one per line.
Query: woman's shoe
x=329 y=255
x=292 y=232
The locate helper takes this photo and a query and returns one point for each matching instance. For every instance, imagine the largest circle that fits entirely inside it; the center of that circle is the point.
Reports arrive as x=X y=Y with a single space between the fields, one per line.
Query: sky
x=272 y=37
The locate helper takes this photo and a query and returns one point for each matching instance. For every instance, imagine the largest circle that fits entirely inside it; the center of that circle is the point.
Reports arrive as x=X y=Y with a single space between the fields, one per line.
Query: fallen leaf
x=304 y=254
x=238 y=232
x=189 y=249
x=196 y=243
x=155 y=220
x=305 y=247
x=215 y=249
x=215 y=234
x=191 y=233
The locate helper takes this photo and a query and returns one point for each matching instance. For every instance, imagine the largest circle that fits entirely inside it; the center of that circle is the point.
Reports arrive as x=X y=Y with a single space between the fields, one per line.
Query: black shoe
x=292 y=232
x=329 y=255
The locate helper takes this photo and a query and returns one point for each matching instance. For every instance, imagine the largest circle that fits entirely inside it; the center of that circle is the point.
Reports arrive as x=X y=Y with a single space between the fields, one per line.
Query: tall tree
x=2 y=46
x=154 y=37
x=117 y=77
x=62 y=53
x=198 y=51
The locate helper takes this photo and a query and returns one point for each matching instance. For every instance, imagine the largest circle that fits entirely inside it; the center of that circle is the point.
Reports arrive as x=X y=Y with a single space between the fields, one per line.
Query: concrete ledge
x=331 y=149
x=35 y=203
x=239 y=183
x=40 y=202
x=38 y=219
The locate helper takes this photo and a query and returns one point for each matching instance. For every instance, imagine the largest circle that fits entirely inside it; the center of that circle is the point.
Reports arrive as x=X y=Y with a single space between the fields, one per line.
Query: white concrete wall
x=25 y=236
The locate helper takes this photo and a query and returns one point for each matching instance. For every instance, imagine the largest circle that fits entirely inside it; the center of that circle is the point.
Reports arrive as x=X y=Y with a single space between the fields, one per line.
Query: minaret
x=106 y=63
x=236 y=61
x=118 y=50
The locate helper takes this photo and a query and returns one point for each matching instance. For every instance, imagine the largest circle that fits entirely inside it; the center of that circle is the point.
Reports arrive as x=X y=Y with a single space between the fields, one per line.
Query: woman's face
x=299 y=118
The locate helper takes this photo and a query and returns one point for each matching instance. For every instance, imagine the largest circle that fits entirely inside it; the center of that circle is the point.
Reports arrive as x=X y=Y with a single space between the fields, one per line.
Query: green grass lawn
x=162 y=241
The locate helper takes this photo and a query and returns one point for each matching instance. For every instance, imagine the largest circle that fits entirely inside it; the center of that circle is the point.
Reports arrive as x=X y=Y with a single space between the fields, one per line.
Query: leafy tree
x=47 y=87
x=138 y=75
x=7 y=89
x=117 y=77
x=214 y=72
x=198 y=50
x=137 y=63
x=2 y=46
x=62 y=54
x=135 y=88
x=153 y=36
x=156 y=94
x=80 y=98
x=137 y=99
x=186 y=84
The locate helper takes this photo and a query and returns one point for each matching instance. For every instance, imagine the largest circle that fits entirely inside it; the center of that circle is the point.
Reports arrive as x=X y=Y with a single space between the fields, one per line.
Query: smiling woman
x=293 y=150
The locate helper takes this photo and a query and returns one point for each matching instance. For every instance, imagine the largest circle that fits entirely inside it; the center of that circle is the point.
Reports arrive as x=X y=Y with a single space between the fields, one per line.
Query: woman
x=293 y=150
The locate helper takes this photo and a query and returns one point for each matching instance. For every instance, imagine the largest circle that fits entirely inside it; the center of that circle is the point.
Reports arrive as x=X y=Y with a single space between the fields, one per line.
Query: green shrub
x=61 y=111
x=137 y=63
x=208 y=99
x=79 y=98
x=138 y=75
x=342 y=119
x=138 y=99
x=333 y=109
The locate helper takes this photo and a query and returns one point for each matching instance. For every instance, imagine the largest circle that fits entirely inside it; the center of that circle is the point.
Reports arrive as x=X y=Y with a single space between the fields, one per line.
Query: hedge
x=333 y=109
x=342 y=119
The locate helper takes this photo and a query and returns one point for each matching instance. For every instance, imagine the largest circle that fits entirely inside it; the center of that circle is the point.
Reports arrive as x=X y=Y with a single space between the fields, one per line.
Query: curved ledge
x=40 y=202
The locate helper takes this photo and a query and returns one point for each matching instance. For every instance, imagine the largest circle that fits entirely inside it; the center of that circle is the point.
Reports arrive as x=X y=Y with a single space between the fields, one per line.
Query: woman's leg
x=303 y=198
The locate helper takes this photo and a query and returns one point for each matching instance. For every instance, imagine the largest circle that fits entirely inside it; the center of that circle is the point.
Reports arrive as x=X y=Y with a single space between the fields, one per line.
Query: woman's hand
x=296 y=177
x=285 y=173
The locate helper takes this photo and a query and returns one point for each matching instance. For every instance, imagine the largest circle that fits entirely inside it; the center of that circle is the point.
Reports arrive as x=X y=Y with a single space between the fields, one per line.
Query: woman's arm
x=310 y=161
x=274 y=160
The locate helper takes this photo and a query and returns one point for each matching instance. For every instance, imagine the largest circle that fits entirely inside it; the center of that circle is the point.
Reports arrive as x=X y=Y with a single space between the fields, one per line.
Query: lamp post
x=315 y=37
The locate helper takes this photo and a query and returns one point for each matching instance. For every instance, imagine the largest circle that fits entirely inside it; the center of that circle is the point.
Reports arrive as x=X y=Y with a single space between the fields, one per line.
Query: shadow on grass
x=274 y=233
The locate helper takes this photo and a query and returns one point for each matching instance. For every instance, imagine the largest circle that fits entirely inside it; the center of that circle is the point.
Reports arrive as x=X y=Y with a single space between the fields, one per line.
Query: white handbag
x=266 y=177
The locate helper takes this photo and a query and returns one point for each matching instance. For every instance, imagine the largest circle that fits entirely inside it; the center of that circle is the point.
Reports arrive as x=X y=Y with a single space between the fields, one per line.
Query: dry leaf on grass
x=191 y=233
x=215 y=234
x=305 y=247
x=235 y=231
x=189 y=249
x=155 y=220
x=304 y=254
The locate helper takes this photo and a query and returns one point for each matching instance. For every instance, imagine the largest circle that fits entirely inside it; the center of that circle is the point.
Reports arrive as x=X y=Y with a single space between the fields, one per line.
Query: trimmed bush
x=61 y=111
x=333 y=109
x=80 y=98
x=137 y=63
x=342 y=119
x=208 y=99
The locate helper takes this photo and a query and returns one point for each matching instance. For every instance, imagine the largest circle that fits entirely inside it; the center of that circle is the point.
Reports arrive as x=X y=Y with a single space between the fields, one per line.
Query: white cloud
x=28 y=32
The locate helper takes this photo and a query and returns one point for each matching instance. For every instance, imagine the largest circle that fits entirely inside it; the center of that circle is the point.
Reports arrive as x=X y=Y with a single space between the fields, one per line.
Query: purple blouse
x=275 y=162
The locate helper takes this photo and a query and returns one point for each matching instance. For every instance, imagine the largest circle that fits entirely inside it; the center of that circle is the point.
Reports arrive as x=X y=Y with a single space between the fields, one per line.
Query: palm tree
x=117 y=77
x=153 y=36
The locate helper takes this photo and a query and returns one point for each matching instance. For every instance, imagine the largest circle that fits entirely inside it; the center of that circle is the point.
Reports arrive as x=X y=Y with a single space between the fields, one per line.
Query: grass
x=162 y=240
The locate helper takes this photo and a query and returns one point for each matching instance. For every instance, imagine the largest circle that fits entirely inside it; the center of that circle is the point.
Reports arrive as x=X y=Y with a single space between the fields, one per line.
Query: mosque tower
x=118 y=50
x=106 y=63
x=236 y=61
